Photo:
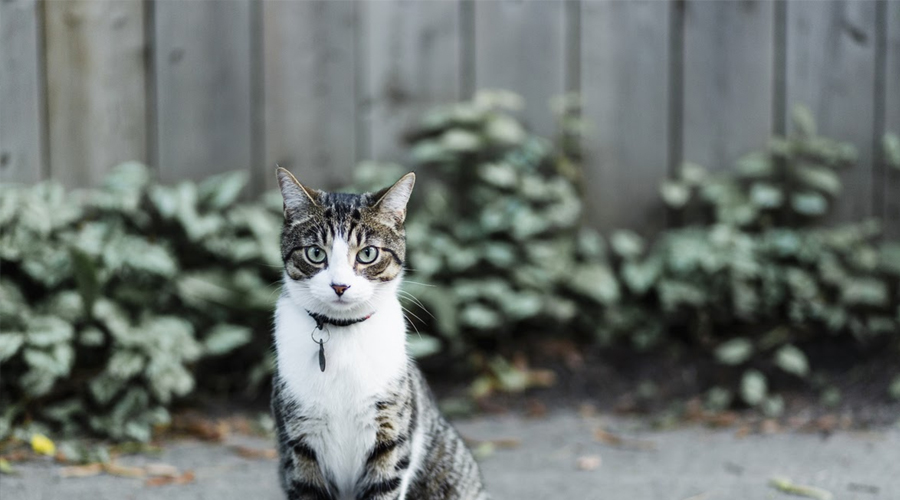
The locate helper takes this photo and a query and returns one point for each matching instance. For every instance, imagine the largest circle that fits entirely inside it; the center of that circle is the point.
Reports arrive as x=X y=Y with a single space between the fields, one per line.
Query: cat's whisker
x=416 y=301
x=418 y=283
x=412 y=314
x=412 y=323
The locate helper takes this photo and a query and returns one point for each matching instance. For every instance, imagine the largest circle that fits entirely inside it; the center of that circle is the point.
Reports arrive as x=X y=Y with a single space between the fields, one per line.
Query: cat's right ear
x=297 y=198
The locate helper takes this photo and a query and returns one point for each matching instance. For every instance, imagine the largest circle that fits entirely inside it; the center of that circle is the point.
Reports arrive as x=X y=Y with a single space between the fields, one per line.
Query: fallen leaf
x=247 y=452
x=81 y=470
x=541 y=378
x=115 y=469
x=622 y=442
x=785 y=485
x=42 y=445
x=201 y=427
x=6 y=468
x=722 y=419
x=589 y=462
x=187 y=477
x=161 y=470
x=135 y=448
x=826 y=423
x=693 y=410
x=483 y=450
x=587 y=410
x=18 y=455
x=770 y=426
x=626 y=404
x=535 y=408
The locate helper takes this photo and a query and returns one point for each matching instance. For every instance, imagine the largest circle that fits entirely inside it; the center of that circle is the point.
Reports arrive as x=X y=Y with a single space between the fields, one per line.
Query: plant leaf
x=753 y=387
x=792 y=360
x=734 y=351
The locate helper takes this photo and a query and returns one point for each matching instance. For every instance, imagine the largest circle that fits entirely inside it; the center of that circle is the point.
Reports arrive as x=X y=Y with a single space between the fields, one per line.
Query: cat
x=354 y=416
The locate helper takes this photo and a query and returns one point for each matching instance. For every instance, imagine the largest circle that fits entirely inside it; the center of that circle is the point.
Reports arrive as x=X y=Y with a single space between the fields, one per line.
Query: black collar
x=322 y=320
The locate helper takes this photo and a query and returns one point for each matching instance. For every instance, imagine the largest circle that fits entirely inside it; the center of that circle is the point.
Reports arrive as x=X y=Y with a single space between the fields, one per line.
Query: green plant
x=496 y=248
x=751 y=279
x=114 y=299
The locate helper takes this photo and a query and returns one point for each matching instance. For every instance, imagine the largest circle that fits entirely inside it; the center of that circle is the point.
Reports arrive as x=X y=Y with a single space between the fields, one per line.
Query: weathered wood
x=891 y=75
x=413 y=63
x=831 y=69
x=520 y=46
x=310 y=94
x=96 y=94
x=624 y=82
x=728 y=80
x=204 y=88
x=21 y=92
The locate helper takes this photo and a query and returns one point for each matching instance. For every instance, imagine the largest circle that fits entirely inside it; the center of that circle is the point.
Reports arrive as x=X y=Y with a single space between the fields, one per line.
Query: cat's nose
x=339 y=289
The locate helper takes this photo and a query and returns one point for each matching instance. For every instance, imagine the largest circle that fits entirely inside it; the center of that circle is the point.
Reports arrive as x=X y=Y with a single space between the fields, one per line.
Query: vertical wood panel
x=520 y=46
x=204 y=87
x=413 y=58
x=21 y=89
x=310 y=95
x=891 y=75
x=728 y=80
x=95 y=87
x=831 y=69
x=624 y=82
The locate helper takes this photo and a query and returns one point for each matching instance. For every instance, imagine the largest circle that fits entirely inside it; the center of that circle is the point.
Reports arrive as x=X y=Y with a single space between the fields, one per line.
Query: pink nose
x=339 y=289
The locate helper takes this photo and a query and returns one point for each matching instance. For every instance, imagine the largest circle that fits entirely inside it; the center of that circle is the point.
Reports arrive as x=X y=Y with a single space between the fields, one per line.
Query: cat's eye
x=315 y=255
x=367 y=255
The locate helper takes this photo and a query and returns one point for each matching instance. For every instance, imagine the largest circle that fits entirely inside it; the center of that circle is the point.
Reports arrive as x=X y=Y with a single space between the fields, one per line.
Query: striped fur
x=367 y=427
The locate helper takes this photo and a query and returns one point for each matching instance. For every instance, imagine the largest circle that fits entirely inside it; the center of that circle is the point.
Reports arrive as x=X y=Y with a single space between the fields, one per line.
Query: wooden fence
x=195 y=87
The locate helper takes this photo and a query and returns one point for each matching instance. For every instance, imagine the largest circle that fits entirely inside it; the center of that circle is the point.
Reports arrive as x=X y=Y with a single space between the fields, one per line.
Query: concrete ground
x=556 y=457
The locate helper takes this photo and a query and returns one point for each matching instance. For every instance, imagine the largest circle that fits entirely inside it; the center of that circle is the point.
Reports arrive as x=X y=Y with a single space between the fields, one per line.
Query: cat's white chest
x=363 y=362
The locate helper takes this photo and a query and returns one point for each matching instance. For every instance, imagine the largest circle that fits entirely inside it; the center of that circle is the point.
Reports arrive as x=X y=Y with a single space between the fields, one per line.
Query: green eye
x=315 y=255
x=367 y=255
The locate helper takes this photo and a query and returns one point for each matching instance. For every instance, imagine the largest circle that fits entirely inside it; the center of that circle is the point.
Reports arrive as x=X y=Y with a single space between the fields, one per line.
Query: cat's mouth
x=343 y=304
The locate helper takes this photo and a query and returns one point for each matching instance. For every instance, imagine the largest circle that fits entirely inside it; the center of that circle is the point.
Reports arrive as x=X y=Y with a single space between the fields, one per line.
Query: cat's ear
x=392 y=201
x=297 y=198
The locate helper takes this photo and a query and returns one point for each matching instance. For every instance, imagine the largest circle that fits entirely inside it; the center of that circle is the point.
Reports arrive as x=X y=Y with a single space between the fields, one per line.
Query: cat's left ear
x=297 y=198
x=393 y=200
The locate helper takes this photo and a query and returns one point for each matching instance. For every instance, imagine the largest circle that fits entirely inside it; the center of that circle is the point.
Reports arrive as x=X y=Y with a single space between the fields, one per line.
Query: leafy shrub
x=496 y=249
x=501 y=255
x=752 y=279
x=116 y=301
x=113 y=299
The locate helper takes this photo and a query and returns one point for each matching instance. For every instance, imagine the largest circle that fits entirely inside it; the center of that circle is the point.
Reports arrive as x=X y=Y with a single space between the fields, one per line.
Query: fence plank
x=624 y=82
x=310 y=95
x=520 y=46
x=21 y=85
x=831 y=69
x=413 y=58
x=728 y=80
x=203 y=87
x=96 y=95
x=891 y=75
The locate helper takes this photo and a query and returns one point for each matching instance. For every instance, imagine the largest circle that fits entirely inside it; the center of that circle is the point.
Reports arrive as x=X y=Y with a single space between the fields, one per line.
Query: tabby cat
x=354 y=416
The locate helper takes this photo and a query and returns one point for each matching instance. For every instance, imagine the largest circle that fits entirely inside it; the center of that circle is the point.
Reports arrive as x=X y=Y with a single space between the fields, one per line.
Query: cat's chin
x=341 y=309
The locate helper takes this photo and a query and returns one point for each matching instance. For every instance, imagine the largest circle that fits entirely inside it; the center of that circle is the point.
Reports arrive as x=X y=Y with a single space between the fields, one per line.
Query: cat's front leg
x=301 y=476
x=389 y=459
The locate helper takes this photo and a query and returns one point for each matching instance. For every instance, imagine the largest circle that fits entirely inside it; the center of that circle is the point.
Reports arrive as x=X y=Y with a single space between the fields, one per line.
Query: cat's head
x=343 y=253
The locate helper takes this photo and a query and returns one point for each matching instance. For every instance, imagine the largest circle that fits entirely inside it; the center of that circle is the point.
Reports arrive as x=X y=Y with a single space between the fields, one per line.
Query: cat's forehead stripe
x=353 y=219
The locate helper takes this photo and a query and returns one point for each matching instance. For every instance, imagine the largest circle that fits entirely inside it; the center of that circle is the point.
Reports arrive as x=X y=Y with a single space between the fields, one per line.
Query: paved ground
x=691 y=463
